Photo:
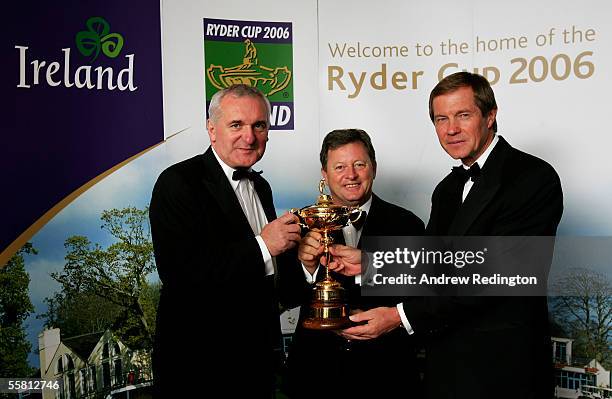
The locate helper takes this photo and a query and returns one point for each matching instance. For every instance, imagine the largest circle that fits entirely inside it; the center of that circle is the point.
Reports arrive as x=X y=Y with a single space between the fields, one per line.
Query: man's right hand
x=310 y=250
x=281 y=234
x=346 y=260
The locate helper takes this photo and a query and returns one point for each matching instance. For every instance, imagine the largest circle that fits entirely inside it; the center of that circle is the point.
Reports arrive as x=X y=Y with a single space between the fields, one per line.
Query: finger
x=307 y=251
x=311 y=242
x=360 y=337
x=295 y=237
x=351 y=337
x=362 y=316
x=341 y=250
x=294 y=228
x=357 y=331
x=336 y=268
x=334 y=251
x=288 y=218
x=314 y=235
x=305 y=257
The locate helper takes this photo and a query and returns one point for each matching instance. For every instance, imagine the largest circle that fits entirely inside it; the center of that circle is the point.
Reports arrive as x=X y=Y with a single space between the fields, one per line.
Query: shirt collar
x=367 y=205
x=228 y=170
x=483 y=157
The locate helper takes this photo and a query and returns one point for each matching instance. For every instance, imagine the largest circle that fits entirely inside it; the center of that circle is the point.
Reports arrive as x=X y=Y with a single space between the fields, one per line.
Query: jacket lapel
x=221 y=190
x=482 y=192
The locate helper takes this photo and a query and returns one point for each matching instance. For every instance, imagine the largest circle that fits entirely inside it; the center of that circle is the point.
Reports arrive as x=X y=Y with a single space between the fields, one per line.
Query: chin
x=246 y=162
x=456 y=154
x=353 y=198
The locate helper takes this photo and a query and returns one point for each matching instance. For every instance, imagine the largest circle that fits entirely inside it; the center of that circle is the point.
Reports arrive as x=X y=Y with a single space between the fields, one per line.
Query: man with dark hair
x=216 y=239
x=483 y=347
x=322 y=363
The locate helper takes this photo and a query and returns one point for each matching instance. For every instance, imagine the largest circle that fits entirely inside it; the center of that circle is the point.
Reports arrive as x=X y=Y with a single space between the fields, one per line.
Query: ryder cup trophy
x=328 y=310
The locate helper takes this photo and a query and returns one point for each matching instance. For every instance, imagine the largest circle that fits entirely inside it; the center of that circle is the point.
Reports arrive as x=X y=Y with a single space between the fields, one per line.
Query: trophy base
x=313 y=323
x=327 y=310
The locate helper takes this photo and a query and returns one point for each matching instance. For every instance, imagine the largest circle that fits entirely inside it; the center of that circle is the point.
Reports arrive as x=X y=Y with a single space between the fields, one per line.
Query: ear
x=210 y=126
x=324 y=174
x=374 y=169
x=491 y=118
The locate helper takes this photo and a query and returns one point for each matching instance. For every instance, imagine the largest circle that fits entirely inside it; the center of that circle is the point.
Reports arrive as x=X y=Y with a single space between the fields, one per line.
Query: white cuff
x=405 y=323
x=358 y=279
x=269 y=264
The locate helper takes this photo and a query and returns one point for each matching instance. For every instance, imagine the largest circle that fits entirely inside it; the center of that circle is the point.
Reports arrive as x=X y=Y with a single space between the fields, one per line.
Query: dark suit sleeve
x=531 y=204
x=293 y=289
x=188 y=248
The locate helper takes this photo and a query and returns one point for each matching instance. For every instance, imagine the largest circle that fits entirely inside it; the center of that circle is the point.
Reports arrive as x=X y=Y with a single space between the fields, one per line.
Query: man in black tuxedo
x=323 y=363
x=216 y=240
x=485 y=347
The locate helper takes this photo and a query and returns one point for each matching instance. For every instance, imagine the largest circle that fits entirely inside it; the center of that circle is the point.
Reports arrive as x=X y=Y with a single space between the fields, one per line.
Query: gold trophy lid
x=325 y=203
x=325 y=215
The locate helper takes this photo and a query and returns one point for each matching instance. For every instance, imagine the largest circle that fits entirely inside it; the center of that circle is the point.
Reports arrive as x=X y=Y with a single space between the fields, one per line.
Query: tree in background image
x=584 y=310
x=108 y=287
x=15 y=307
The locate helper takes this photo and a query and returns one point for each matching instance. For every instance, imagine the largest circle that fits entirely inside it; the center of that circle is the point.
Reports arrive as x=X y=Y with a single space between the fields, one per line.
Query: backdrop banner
x=84 y=85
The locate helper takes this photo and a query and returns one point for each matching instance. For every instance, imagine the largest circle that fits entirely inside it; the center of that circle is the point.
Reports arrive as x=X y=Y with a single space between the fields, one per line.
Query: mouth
x=454 y=142
x=352 y=186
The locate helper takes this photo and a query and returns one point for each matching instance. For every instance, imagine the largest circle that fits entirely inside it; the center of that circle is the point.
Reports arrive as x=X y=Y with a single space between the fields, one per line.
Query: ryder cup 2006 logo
x=95 y=42
x=255 y=53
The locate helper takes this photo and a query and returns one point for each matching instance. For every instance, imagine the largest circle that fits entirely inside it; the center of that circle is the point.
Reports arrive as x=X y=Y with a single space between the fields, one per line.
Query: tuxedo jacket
x=217 y=321
x=483 y=347
x=383 y=362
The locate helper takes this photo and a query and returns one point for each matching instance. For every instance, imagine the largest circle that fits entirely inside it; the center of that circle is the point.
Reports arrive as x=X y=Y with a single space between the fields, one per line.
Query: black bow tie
x=465 y=174
x=244 y=173
x=358 y=224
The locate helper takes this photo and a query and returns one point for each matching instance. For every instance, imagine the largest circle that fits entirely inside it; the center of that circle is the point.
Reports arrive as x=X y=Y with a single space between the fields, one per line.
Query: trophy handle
x=322 y=184
x=296 y=212
x=354 y=211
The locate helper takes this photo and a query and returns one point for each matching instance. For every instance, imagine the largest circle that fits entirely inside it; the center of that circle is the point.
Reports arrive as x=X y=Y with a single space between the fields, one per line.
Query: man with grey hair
x=216 y=240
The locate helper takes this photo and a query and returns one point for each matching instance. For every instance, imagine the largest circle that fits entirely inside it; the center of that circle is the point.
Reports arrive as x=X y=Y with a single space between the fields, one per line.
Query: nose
x=351 y=172
x=453 y=126
x=248 y=135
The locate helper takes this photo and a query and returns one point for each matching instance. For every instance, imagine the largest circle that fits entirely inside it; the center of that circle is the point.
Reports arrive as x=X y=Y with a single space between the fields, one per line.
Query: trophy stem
x=326 y=241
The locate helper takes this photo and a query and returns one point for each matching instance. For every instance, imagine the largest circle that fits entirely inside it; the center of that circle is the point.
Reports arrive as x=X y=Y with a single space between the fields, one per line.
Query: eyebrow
x=461 y=111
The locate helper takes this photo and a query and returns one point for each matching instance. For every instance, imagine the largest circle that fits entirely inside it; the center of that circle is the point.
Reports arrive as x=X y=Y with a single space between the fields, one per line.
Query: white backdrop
x=555 y=114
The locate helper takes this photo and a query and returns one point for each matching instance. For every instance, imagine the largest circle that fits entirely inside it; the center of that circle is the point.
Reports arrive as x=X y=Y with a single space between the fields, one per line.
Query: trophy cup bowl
x=328 y=309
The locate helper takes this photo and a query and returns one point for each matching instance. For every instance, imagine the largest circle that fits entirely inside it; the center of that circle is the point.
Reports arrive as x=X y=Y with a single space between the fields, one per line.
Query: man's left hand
x=379 y=321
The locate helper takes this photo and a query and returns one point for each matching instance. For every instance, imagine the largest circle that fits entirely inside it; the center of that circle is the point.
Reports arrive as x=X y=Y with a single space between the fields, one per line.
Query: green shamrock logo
x=97 y=38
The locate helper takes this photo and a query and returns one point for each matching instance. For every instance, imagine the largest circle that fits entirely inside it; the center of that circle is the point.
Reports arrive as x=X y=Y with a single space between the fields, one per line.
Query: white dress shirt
x=480 y=161
x=252 y=208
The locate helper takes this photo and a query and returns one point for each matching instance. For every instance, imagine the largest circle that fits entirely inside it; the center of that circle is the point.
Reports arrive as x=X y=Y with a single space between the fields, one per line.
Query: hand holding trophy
x=328 y=310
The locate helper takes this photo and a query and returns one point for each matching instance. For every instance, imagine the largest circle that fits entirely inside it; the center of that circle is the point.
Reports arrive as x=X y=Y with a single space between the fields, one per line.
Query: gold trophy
x=328 y=310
